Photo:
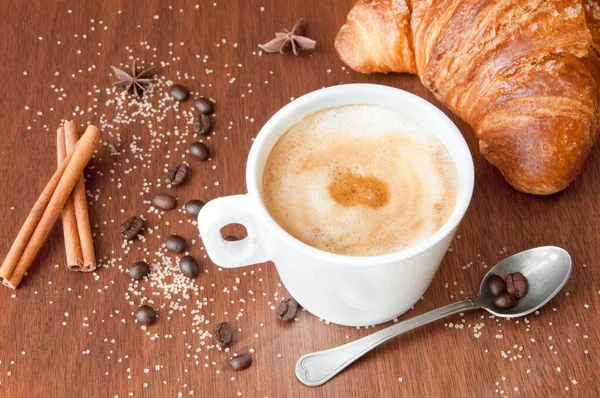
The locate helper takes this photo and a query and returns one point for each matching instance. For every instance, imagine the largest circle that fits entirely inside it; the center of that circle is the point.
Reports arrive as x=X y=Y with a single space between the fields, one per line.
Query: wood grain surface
x=66 y=334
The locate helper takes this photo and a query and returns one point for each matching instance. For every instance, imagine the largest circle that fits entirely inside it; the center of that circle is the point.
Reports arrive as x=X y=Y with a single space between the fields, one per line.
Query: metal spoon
x=547 y=269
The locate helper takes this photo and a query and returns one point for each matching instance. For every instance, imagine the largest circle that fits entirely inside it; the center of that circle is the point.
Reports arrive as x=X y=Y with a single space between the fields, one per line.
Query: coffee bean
x=201 y=124
x=164 y=201
x=132 y=227
x=204 y=105
x=176 y=174
x=139 y=270
x=199 y=151
x=496 y=285
x=176 y=244
x=179 y=92
x=241 y=362
x=223 y=334
x=193 y=207
x=505 y=301
x=145 y=315
x=286 y=311
x=189 y=266
x=231 y=238
x=516 y=284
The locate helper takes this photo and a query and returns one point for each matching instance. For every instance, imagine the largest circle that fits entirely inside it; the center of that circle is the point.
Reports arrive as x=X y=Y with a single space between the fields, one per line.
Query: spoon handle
x=316 y=368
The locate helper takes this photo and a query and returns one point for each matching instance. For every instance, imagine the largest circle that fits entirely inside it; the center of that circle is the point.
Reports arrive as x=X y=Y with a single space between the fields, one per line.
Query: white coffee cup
x=353 y=291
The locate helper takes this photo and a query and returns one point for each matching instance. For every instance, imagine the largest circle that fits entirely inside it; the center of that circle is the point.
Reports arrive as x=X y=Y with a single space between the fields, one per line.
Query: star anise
x=286 y=39
x=136 y=83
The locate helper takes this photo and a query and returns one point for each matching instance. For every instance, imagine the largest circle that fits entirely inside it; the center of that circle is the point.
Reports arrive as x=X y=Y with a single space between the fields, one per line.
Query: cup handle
x=236 y=209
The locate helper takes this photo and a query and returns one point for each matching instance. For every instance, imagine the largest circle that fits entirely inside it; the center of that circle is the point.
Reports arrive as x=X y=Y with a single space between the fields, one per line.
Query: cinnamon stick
x=31 y=222
x=69 y=223
x=46 y=210
x=79 y=201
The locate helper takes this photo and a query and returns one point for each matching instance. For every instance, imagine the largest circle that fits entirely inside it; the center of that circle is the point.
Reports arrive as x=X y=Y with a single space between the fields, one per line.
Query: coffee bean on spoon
x=132 y=227
x=164 y=201
x=193 y=207
x=241 y=362
x=176 y=244
x=139 y=270
x=189 y=267
x=145 y=315
x=286 y=311
x=496 y=285
x=516 y=284
x=179 y=92
x=201 y=124
x=223 y=334
x=204 y=105
x=505 y=301
x=200 y=151
x=176 y=174
x=231 y=238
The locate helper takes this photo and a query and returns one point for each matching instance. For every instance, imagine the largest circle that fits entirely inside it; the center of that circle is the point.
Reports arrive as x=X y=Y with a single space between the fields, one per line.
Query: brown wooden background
x=551 y=353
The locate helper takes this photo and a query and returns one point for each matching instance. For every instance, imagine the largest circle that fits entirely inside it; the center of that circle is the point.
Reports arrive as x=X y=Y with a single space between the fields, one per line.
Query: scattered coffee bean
x=223 y=334
x=496 y=285
x=189 y=266
x=201 y=124
x=505 y=300
x=241 y=362
x=199 y=151
x=164 y=201
x=132 y=227
x=193 y=207
x=176 y=174
x=139 y=270
x=516 y=284
x=145 y=315
x=179 y=92
x=204 y=105
x=231 y=238
x=176 y=244
x=286 y=311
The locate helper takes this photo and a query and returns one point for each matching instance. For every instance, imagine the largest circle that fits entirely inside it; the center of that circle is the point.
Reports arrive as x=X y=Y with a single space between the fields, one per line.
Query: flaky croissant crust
x=511 y=69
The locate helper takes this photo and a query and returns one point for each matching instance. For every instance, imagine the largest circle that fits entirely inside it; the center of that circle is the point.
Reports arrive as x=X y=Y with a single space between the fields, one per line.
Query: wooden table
x=67 y=334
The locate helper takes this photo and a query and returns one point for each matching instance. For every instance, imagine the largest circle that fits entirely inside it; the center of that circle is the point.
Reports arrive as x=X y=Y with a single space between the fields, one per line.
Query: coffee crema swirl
x=359 y=180
x=350 y=189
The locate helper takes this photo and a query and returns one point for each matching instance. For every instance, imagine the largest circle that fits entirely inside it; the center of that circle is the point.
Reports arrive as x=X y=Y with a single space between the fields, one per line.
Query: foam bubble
x=376 y=145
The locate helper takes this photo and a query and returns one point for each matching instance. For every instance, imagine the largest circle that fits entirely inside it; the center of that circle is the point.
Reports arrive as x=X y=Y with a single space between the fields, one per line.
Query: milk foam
x=365 y=142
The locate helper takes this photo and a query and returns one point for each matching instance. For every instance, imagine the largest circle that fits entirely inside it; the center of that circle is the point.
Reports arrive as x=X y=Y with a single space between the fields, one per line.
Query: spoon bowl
x=546 y=269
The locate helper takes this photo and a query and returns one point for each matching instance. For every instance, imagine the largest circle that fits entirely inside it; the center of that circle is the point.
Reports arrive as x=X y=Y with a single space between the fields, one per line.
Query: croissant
x=512 y=69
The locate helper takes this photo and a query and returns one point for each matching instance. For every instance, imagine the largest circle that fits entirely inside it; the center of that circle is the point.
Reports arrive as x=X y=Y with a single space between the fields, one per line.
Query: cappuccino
x=359 y=180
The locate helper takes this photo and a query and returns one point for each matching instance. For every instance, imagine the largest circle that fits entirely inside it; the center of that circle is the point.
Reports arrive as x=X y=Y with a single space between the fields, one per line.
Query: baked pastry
x=592 y=20
x=512 y=69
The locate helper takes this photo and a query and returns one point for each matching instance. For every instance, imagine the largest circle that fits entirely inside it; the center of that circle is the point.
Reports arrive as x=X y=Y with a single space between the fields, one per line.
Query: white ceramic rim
x=465 y=190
